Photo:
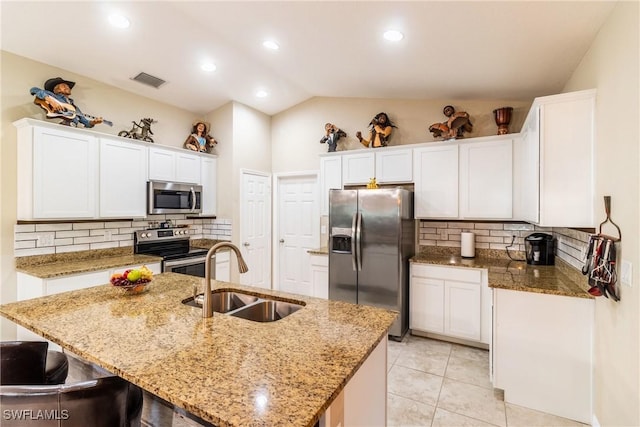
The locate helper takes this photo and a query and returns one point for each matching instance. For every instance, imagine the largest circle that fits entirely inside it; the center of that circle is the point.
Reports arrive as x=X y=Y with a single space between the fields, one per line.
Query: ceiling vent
x=148 y=79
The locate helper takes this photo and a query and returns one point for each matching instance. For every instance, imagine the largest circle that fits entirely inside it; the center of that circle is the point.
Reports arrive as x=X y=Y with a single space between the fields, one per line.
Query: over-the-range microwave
x=171 y=197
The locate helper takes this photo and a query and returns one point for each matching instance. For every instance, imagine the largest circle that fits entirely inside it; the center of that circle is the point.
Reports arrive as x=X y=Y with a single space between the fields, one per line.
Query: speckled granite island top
x=517 y=275
x=226 y=370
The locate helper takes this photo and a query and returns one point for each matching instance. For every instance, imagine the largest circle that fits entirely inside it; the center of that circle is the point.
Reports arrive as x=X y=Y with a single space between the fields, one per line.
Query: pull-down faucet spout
x=207 y=304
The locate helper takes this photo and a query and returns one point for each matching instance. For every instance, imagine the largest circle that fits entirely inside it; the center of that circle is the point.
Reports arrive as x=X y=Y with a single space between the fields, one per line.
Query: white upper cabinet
x=75 y=173
x=436 y=181
x=208 y=171
x=394 y=166
x=330 y=178
x=166 y=164
x=486 y=179
x=123 y=177
x=557 y=170
x=57 y=172
x=358 y=168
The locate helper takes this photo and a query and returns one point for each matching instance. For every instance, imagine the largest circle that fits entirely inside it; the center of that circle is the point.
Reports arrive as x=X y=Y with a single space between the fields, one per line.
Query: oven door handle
x=188 y=261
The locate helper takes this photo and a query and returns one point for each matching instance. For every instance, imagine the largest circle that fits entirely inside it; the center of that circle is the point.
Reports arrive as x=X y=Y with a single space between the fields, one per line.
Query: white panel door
x=394 y=166
x=298 y=232
x=330 y=177
x=255 y=230
x=462 y=310
x=188 y=168
x=208 y=173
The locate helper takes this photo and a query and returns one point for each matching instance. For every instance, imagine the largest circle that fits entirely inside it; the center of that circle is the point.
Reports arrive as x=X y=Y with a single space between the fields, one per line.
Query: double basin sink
x=246 y=306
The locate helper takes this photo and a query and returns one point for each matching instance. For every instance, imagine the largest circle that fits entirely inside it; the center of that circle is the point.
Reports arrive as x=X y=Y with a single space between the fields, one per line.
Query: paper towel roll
x=467 y=244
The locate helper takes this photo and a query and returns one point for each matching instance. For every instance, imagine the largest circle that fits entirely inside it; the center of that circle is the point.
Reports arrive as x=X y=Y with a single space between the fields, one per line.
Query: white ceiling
x=451 y=50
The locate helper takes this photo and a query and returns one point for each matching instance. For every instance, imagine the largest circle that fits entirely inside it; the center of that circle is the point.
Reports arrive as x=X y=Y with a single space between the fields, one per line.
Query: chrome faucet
x=207 y=304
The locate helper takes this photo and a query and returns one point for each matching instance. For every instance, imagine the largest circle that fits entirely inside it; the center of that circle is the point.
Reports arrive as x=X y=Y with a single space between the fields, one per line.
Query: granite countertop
x=57 y=265
x=319 y=251
x=561 y=279
x=224 y=369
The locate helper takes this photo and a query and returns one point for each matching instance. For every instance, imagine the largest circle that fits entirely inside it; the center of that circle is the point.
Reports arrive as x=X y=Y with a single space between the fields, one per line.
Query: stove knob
x=179 y=231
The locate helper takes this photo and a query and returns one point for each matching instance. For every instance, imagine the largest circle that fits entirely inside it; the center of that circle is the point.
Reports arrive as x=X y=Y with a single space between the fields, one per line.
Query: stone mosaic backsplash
x=61 y=237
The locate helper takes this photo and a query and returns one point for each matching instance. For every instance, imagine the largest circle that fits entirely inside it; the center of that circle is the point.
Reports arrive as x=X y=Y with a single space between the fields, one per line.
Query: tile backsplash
x=61 y=237
x=570 y=246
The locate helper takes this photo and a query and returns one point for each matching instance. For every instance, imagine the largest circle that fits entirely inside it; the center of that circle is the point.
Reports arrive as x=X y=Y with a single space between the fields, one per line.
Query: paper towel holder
x=467 y=244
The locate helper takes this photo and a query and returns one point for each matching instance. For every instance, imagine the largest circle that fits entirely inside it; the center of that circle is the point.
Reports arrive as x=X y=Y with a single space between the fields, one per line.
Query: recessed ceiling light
x=208 y=66
x=393 y=35
x=119 y=21
x=261 y=94
x=270 y=44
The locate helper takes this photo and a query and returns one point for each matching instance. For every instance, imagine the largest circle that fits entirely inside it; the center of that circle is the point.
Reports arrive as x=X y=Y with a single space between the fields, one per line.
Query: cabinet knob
x=245 y=244
x=281 y=240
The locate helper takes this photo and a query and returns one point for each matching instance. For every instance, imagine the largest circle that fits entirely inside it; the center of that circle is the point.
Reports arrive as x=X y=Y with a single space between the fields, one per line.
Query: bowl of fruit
x=132 y=281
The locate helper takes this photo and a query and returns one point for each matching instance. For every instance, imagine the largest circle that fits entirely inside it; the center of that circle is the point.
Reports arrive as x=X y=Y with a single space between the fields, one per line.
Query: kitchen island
x=225 y=370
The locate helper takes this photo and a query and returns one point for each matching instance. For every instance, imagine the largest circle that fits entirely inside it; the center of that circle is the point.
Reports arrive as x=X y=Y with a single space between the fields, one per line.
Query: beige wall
x=18 y=75
x=296 y=132
x=611 y=66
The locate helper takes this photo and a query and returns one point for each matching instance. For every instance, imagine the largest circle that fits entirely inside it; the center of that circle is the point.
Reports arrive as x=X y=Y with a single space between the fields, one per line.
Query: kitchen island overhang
x=225 y=370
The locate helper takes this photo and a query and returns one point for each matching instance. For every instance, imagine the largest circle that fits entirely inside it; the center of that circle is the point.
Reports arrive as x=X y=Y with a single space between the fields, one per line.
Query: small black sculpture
x=333 y=134
x=140 y=130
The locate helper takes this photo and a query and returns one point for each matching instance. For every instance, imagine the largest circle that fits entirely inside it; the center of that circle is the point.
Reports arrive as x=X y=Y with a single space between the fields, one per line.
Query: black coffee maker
x=540 y=249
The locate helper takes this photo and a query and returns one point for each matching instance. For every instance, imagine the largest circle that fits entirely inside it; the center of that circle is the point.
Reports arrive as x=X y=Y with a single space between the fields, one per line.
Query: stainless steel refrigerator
x=371 y=238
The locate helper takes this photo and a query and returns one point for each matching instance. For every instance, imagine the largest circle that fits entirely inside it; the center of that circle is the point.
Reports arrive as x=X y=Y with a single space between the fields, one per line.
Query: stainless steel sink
x=223 y=301
x=246 y=306
x=267 y=311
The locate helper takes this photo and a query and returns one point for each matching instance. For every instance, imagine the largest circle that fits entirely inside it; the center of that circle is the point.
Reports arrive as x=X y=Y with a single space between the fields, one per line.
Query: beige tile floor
x=435 y=383
x=431 y=383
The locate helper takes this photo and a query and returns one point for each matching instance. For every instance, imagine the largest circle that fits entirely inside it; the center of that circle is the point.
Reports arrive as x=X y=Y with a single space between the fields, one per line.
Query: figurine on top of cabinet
x=200 y=140
x=454 y=127
x=55 y=100
x=139 y=131
x=380 y=128
x=333 y=134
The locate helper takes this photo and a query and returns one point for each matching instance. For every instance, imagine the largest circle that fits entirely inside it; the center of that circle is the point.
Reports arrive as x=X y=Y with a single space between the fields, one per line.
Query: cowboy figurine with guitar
x=54 y=99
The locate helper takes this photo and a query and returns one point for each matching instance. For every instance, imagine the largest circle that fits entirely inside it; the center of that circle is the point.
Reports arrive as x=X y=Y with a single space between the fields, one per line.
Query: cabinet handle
x=245 y=244
x=281 y=240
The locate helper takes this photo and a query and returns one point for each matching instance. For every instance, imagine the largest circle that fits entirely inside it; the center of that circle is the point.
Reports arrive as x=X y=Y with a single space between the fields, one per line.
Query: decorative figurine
x=454 y=127
x=380 y=127
x=372 y=184
x=55 y=100
x=200 y=140
x=333 y=134
x=502 y=117
x=140 y=130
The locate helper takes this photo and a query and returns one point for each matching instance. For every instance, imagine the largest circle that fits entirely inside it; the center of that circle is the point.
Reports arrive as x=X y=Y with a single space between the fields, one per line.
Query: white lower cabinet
x=319 y=275
x=450 y=301
x=542 y=352
x=223 y=266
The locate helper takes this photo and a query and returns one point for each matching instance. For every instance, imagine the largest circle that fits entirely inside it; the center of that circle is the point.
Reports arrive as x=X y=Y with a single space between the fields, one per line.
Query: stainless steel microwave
x=171 y=197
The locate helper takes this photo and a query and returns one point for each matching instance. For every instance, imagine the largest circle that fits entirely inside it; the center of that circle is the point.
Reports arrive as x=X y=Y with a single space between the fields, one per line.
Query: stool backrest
x=23 y=362
x=102 y=402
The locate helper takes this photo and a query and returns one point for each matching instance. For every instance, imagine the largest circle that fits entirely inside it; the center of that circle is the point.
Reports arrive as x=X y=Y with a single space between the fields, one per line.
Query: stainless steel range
x=172 y=244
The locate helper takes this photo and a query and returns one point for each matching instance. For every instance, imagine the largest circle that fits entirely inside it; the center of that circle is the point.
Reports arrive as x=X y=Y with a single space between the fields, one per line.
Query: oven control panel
x=162 y=234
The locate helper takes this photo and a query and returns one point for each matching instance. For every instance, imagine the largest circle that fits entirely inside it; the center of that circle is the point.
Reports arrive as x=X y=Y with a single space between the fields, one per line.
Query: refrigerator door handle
x=353 y=241
x=359 y=240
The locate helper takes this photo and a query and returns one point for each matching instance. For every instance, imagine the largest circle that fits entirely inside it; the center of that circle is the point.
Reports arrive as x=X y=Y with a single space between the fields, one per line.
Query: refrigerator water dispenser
x=341 y=240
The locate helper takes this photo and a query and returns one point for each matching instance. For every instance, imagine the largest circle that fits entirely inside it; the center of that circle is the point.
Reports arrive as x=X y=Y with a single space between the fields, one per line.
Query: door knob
x=245 y=244
x=281 y=240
